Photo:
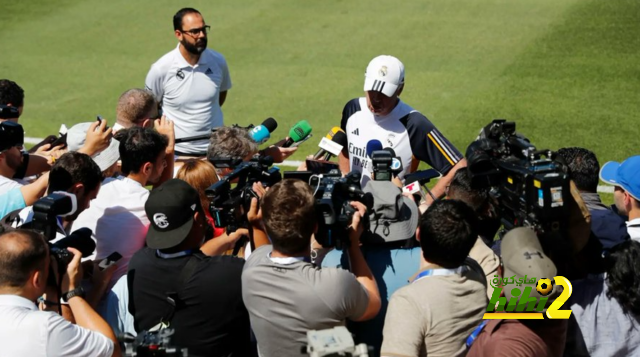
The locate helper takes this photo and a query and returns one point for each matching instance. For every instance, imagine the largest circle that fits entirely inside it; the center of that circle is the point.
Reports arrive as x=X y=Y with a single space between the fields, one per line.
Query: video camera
x=529 y=185
x=229 y=206
x=9 y=112
x=333 y=195
x=152 y=344
x=333 y=342
x=385 y=164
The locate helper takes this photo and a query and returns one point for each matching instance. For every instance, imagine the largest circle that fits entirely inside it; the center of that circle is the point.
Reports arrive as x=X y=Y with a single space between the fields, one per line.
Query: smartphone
x=110 y=260
x=296 y=144
x=60 y=141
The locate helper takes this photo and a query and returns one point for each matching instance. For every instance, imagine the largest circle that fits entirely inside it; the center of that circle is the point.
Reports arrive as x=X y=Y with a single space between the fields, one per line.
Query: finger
x=76 y=256
x=45 y=147
x=94 y=126
x=109 y=132
x=254 y=205
x=242 y=232
x=103 y=124
x=355 y=221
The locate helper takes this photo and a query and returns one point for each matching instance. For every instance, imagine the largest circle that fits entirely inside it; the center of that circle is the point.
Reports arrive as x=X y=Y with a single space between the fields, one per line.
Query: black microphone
x=193 y=138
x=339 y=138
x=80 y=240
x=422 y=177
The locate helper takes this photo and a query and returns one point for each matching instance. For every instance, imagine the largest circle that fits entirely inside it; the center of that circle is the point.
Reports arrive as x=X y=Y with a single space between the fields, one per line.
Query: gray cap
x=394 y=217
x=105 y=158
x=522 y=255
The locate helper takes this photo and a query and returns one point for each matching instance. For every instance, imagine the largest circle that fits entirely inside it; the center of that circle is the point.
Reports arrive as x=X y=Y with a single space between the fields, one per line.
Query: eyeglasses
x=196 y=32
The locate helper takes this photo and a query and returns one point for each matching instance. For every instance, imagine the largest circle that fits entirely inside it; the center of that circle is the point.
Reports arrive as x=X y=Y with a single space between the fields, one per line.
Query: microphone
x=262 y=132
x=329 y=136
x=331 y=147
x=421 y=177
x=396 y=162
x=80 y=240
x=298 y=133
x=373 y=145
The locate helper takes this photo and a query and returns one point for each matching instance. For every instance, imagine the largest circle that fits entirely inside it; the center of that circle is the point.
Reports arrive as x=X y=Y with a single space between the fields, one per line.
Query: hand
x=101 y=278
x=255 y=214
x=51 y=153
x=356 y=228
x=396 y=181
x=303 y=165
x=259 y=189
x=278 y=153
x=165 y=127
x=98 y=138
x=73 y=276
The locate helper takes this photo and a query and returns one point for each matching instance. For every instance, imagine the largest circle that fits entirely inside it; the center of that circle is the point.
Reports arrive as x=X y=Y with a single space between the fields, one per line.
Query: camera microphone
x=299 y=133
x=262 y=132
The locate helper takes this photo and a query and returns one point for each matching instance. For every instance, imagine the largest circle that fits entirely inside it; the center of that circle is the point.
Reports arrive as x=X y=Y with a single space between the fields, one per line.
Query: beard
x=195 y=48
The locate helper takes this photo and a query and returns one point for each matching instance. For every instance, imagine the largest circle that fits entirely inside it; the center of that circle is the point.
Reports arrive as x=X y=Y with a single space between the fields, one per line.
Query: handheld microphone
x=298 y=133
x=262 y=132
x=373 y=145
x=336 y=144
x=329 y=136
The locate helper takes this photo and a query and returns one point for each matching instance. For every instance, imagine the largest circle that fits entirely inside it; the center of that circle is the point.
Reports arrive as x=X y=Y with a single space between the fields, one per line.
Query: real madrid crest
x=383 y=71
x=180 y=75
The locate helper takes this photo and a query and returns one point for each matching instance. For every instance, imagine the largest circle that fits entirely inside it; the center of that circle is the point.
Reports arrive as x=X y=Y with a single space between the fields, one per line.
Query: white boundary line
x=601 y=188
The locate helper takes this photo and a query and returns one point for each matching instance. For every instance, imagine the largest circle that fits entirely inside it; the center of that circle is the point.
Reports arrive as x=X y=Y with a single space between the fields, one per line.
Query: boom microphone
x=299 y=132
x=373 y=145
x=262 y=132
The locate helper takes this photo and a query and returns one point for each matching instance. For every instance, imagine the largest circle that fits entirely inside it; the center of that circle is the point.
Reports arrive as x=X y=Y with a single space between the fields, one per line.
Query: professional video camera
x=9 y=112
x=333 y=342
x=333 y=195
x=529 y=185
x=229 y=206
x=11 y=134
x=152 y=344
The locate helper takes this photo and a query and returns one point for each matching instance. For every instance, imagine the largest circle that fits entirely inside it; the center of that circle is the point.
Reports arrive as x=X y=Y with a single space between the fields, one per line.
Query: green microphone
x=298 y=133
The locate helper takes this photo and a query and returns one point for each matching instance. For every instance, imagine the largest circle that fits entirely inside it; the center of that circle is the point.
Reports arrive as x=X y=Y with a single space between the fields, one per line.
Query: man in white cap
x=382 y=118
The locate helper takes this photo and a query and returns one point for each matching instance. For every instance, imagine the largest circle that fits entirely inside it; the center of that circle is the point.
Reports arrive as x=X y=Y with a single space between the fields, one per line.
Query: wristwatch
x=79 y=291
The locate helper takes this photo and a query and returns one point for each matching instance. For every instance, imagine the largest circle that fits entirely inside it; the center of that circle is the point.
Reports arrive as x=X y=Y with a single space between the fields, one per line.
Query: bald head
x=134 y=106
x=21 y=252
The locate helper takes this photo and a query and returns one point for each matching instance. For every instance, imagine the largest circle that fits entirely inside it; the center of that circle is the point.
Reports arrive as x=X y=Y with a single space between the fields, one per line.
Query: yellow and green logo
x=523 y=306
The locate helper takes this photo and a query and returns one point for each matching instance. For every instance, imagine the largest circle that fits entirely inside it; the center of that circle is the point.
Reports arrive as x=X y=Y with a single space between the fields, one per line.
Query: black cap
x=11 y=134
x=170 y=210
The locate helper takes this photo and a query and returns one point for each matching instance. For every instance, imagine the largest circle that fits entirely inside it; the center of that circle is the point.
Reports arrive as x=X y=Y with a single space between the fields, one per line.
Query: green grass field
x=566 y=71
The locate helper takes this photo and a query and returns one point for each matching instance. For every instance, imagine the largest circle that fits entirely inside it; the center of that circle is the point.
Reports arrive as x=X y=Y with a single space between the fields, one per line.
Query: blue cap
x=625 y=175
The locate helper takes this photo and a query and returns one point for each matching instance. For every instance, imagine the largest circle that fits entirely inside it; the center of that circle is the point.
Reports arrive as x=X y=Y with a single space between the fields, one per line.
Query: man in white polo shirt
x=191 y=82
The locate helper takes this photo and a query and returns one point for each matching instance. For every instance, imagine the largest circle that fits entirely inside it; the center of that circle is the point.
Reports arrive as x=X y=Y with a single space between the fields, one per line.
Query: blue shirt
x=11 y=201
x=392 y=269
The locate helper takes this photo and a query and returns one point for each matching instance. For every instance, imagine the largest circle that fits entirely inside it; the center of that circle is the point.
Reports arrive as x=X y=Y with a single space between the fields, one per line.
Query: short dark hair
x=584 y=167
x=11 y=93
x=139 y=146
x=72 y=168
x=231 y=142
x=177 y=18
x=21 y=252
x=448 y=232
x=622 y=265
x=288 y=210
x=460 y=189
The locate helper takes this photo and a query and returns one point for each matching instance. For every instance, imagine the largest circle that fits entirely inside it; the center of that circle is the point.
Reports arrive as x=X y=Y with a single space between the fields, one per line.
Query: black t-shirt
x=212 y=320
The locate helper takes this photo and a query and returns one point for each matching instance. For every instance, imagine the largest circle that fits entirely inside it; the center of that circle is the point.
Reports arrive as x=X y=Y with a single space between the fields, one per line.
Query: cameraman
x=233 y=143
x=285 y=294
x=25 y=331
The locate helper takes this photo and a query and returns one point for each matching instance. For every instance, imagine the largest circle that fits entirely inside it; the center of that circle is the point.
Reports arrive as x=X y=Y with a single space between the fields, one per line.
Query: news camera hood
x=11 y=134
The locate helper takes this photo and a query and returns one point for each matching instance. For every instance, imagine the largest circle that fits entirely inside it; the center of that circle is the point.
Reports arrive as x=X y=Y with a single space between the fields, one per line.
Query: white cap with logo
x=384 y=74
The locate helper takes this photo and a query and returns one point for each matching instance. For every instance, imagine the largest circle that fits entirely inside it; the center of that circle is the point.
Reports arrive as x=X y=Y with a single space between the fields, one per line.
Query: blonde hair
x=200 y=175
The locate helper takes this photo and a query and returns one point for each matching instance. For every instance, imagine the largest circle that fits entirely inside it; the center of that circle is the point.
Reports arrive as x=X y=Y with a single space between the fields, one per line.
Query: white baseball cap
x=105 y=158
x=384 y=74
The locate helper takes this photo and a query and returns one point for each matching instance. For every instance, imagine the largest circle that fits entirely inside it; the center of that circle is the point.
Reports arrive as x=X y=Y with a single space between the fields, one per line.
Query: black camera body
x=230 y=205
x=9 y=112
x=11 y=134
x=531 y=188
x=333 y=196
x=381 y=162
x=152 y=344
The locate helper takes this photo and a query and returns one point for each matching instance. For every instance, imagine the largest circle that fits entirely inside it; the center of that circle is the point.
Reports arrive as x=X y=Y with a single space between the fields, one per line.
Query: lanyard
x=184 y=253
x=438 y=272
x=472 y=338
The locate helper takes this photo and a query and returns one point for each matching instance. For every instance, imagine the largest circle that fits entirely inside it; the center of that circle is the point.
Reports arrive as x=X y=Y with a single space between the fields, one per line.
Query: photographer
x=285 y=294
x=390 y=249
x=208 y=315
x=25 y=331
x=446 y=299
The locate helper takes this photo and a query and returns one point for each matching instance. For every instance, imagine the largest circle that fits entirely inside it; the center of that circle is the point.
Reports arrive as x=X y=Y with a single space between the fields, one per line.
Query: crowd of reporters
x=239 y=262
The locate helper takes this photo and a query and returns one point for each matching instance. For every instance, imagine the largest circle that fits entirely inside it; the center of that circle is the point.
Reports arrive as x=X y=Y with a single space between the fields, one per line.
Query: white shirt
x=118 y=221
x=190 y=95
x=25 y=331
x=633 y=227
x=7 y=184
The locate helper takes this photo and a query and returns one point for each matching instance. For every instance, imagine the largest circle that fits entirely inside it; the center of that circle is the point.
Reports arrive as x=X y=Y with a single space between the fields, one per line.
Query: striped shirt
x=409 y=133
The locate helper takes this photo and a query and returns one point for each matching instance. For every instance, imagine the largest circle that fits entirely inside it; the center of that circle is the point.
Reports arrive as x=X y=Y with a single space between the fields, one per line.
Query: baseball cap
x=394 y=217
x=522 y=256
x=170 y=210
x=623 y=174
x=11 y=134
x=384 y=74
x=105 y=158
